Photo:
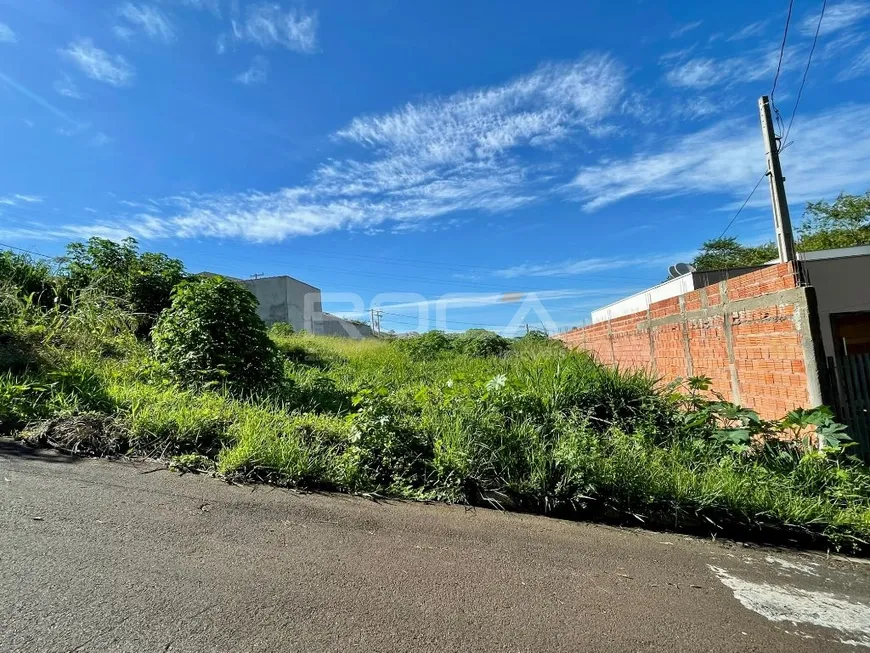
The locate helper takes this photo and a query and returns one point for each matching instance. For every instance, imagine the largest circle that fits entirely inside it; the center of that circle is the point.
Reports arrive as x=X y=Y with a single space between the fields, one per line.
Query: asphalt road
x=112 y=556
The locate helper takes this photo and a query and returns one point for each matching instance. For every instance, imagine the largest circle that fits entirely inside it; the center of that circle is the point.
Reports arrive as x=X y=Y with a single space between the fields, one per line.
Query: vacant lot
x=472 y=418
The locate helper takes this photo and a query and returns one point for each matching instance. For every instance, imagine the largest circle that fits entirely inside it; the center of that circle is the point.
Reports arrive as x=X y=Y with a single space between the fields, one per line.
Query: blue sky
x=469 y=149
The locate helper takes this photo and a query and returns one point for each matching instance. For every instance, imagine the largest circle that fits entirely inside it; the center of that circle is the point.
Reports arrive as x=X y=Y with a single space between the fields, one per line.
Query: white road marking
x=796 y=606
x=790 y=565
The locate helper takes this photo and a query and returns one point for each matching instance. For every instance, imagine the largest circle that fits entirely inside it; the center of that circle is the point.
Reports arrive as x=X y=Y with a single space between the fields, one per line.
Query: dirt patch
x=86 y=435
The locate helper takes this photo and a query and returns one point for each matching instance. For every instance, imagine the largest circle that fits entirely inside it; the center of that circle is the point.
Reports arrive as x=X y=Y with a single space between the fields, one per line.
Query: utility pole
x=781 y=217
x=376 y=321
x=257 y=275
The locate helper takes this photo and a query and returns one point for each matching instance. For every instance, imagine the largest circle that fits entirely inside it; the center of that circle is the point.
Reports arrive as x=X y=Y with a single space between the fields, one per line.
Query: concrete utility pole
x=376 y=321
x=781 y=217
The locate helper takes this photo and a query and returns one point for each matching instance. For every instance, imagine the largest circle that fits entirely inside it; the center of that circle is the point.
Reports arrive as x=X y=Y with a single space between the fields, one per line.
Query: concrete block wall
x=753 y=335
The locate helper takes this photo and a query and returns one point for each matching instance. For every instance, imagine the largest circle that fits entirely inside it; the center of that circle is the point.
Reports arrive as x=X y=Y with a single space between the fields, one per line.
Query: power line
x=776 y=114
x=783 y=144
x=782 y=49
x=743 y=206
x=27 y=251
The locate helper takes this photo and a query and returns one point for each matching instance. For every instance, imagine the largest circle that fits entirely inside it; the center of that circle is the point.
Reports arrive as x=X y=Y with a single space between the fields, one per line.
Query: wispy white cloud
x=753 y=29
x=706 y=72
x=672 y=55
x=123 y=32
x=685 y=29
x=858 y=67
x=146 y=227
x=74 y=130
x=425 y=160
x=6 y=34
x=100 y=139
x=831 y=153
x=269 y=25
x=257 y=72
x=697 y=73
x=135 y=205
x=837 y=17
x=67 y=87
x=697 y=107
x=147 y=18
x=18 y=199
x=533 y=110
x=99 y=64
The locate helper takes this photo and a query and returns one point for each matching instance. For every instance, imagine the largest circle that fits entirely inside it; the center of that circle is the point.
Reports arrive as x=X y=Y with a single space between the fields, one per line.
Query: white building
x=285 y=299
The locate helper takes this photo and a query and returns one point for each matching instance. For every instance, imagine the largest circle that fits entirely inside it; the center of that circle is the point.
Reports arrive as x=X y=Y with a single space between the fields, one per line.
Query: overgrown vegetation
x=843 y=223
x=211 y=335
x=472 y=418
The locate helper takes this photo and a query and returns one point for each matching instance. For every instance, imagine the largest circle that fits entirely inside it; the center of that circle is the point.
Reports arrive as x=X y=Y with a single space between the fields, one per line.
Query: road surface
x=113 y=556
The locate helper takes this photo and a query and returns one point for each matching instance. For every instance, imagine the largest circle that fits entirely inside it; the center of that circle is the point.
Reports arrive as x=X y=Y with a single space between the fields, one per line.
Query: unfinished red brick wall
x=751 y=335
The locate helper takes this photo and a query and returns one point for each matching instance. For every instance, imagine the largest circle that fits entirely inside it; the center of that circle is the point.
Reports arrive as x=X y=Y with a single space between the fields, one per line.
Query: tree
x=722 y=253
x=140 y=283
x=103 y=264
x=151 y=282
x=211 y=335
x=845 y=223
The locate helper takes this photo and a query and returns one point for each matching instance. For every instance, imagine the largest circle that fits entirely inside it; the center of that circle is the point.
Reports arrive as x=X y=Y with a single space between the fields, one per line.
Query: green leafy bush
x=281 y=330
x=211 y=335
x=427 y=345
x=388 y=449
x=481 y=343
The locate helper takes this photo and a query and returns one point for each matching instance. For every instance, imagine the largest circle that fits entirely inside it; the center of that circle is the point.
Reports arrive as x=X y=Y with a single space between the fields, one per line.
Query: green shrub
x=389 y=449
x=427 y=345
x=281 y=330
x=191 y=462
x=536 y=342
x=481 y=343
x=211 y=335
